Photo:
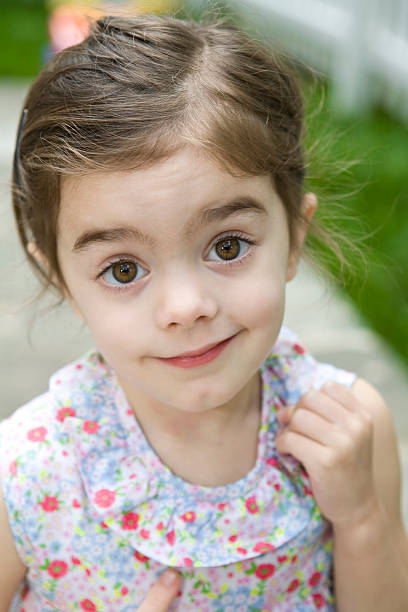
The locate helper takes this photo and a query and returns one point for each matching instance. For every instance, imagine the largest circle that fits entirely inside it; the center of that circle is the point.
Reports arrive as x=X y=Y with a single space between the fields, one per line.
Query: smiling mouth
x=200 y=356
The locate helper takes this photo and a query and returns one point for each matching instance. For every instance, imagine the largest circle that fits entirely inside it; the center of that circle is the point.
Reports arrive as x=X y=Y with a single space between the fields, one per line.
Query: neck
x=202 y=447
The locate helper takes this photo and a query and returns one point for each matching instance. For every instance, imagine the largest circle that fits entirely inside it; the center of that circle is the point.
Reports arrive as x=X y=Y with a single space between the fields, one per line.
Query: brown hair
x=137 y=90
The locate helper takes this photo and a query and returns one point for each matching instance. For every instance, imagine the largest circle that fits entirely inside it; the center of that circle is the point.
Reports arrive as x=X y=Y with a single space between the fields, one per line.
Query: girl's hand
x=162 y=593
x=331 y=434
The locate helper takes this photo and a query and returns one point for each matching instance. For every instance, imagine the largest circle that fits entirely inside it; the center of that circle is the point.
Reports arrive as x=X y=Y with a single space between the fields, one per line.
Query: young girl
x=158 y=187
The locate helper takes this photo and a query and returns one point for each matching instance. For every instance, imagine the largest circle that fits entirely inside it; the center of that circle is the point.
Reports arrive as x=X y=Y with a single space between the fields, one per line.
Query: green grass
x=23 y=37
x=374 y=195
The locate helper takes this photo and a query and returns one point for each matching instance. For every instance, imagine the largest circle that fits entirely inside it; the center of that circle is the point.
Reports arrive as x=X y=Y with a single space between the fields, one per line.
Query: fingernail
x=168 y=578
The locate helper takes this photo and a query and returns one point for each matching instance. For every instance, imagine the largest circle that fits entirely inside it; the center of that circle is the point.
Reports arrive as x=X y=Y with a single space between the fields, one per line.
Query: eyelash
x=113 y=262
x=238 y=236
x=234 y=262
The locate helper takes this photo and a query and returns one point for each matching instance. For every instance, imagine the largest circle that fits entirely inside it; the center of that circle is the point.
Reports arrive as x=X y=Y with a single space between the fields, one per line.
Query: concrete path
x=327 y=323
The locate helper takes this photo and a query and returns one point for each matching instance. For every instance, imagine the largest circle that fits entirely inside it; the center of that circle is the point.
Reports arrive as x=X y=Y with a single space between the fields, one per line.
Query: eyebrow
x=207 y=216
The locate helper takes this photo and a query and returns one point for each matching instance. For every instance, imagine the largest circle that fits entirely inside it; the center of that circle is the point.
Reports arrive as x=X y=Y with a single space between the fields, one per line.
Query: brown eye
x=124 y=271
x=228 y=248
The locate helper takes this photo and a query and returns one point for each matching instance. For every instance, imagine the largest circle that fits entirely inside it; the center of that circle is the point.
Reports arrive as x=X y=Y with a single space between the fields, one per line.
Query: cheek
x=262 y=302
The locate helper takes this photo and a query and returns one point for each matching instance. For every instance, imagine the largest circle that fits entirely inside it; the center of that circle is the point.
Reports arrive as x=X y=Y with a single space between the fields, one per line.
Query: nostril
x=185 y=308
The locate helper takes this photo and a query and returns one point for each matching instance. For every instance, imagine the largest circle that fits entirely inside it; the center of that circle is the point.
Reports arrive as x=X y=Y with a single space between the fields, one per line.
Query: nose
x=184 y=300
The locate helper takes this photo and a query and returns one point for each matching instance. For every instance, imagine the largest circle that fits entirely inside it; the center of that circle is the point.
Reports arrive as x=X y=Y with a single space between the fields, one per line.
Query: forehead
x=170 y=192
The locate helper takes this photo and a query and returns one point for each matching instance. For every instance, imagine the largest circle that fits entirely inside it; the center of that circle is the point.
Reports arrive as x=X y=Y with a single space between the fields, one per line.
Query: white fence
x=362 y=45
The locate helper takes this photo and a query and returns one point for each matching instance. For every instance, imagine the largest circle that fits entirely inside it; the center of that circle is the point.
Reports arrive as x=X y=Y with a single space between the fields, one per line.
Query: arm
x=345 y=440
x=12 y=569
x=371 y=554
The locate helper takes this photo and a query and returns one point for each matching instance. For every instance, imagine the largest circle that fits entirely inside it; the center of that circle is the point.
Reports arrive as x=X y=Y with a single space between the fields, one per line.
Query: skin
x=185 y=297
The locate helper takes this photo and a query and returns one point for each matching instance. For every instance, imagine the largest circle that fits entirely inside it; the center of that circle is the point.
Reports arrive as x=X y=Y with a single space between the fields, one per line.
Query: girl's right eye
x=122 y=272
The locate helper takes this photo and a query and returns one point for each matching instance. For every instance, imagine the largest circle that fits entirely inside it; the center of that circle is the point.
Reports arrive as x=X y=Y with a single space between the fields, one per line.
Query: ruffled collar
x=129 y=490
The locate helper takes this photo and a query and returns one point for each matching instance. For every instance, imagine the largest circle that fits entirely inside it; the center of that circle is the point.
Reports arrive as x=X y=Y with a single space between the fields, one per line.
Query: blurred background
x=356 y=90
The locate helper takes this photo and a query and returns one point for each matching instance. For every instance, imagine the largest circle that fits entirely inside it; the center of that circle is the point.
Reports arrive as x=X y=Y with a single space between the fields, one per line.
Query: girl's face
x=179 y=271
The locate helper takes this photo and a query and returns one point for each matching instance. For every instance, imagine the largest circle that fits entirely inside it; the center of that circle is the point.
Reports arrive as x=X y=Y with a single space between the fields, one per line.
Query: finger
x=302 y=448
x=285 y=414
x=313 y=426
x=162 y=592
x=343 y=395
x=324 y=405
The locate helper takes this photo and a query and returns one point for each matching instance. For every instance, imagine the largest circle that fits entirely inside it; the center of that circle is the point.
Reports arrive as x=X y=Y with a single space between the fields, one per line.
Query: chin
x=205 y=401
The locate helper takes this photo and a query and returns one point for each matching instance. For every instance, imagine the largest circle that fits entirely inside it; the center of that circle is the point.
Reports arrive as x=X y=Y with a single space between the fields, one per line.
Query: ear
x=35 y=252
x=308 y=208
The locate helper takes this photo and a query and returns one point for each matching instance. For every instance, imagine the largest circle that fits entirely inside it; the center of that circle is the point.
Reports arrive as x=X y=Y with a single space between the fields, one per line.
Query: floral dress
x=96 y=516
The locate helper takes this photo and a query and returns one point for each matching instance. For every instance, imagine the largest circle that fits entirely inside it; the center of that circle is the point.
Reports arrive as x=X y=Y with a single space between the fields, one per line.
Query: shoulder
x=292 y=368
x=30 y=423
x=34 y=431
x=27 y=447
x=386 y=462
x=13 y=569
x=36 y=449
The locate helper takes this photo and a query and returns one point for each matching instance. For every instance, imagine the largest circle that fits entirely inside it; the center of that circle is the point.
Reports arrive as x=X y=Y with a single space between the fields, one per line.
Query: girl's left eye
x=122 y=272
x=229 y=248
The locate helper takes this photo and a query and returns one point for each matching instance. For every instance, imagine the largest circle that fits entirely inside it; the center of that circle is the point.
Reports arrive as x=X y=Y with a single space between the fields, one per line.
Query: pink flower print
x=188 y=517
x=144 y=533
x=233 y=538
x=313 y=580
x=273 y=462
x=78 y=366
x=90 y=427
x=140 y=557
x=124 y=590
x=298 y=349
x=76 y=504
x=76 y=561
x=264 y=571
x=282 y=559
x=251 y=505
x=49 y=504
x=171 y=536
x=307 y=490
x=242 y=551
x=188 y=561
x=88 y=605
x=277 y=487
x=37 y=435
x=160 y=526
x=13 y=468
x=63 y=412
x=130 y=521
x=318 y=600
x=57 y=569
x=295 y=584
x=104 y=498
x=263 y=547
x=221 y=507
